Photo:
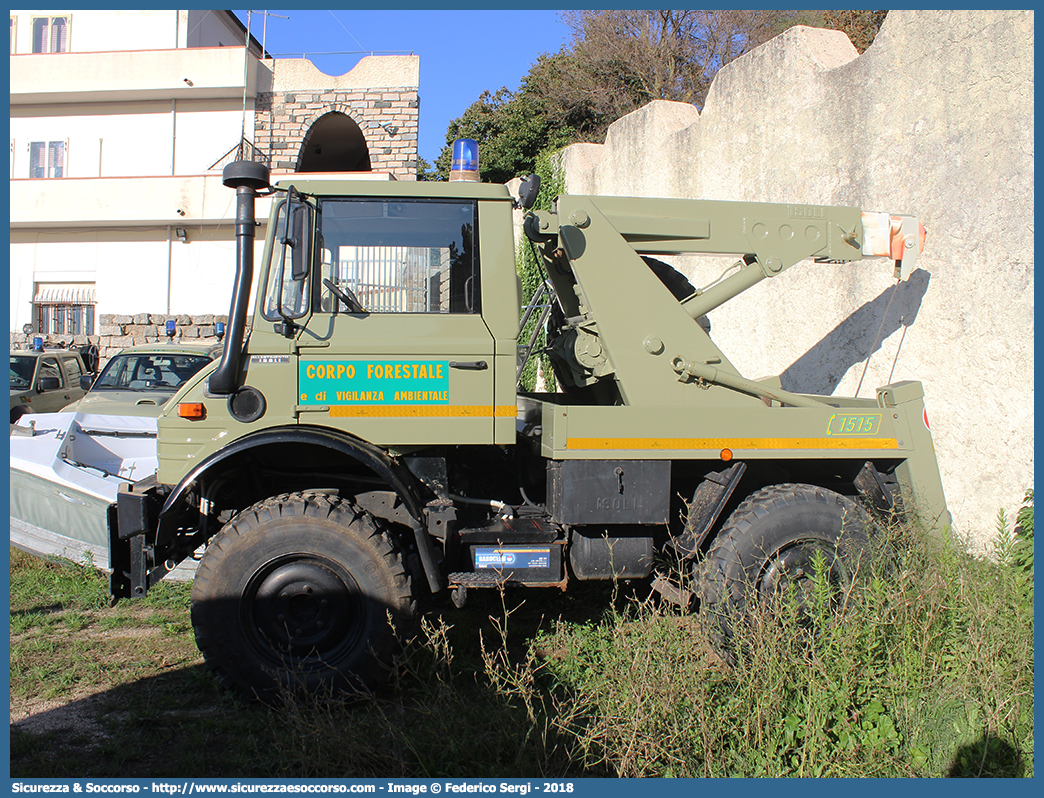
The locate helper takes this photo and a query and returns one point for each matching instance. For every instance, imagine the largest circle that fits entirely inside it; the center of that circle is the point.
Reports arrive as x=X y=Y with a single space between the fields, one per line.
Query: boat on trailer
x=66 y=469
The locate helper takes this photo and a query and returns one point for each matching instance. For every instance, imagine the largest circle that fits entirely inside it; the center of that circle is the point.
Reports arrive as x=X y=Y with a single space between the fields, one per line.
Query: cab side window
x=73 y=370
x=49 y=368
x=399 y=256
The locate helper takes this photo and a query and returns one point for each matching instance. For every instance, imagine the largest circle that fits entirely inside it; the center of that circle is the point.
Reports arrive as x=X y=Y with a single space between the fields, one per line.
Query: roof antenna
x=246 y=75
x=246 y=71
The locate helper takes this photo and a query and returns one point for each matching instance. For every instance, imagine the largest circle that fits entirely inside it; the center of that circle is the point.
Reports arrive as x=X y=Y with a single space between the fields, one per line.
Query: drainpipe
x=173 y=155
x=170 y=255
x=173 y=133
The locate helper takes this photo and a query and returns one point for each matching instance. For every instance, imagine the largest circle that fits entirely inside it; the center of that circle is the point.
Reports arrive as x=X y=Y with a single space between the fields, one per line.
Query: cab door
x=395 y=350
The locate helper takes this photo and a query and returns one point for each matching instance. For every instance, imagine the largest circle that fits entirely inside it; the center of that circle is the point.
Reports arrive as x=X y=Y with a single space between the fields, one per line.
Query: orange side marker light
x=194 y=410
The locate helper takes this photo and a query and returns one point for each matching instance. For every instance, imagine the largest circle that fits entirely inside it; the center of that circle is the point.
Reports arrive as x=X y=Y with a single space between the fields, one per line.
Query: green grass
x=924 y=669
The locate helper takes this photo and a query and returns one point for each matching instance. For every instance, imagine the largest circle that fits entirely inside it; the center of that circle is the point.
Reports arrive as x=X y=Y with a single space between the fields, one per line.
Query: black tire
x=17 y=412
x=768 y=544
x=300 y=592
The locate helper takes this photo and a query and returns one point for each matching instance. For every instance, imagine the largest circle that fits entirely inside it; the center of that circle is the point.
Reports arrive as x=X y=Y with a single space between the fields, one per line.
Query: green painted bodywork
x=30 y=396
x=659 y=387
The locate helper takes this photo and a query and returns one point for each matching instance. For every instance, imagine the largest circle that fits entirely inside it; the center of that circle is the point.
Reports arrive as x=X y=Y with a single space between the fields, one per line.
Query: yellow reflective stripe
x=731 y=443
x=423 y=411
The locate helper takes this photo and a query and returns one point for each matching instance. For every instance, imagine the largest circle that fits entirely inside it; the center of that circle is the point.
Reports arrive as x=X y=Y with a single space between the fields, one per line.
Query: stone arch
x=334 y=143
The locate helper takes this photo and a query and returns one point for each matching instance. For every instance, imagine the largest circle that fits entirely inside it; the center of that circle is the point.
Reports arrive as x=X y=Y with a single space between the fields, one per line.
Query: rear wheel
x=770 y=545
x=300 y=592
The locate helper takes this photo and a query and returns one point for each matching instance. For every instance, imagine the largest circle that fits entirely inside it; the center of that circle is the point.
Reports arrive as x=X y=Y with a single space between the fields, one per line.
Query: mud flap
x=707 y=503
x=871 y=486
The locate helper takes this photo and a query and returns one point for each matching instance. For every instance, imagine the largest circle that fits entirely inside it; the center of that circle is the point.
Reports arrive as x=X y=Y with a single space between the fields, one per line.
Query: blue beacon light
x=465 y=164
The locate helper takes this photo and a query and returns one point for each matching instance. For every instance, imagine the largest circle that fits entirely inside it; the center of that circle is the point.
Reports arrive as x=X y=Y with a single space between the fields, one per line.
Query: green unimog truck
x=363 y=444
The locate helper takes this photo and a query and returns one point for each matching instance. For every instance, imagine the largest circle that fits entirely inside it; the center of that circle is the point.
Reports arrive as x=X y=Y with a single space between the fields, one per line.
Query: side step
x=497 y=564
x=461 y=580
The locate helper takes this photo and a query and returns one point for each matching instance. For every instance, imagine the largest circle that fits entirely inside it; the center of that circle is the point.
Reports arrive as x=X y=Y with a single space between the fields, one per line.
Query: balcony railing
x=244 y=151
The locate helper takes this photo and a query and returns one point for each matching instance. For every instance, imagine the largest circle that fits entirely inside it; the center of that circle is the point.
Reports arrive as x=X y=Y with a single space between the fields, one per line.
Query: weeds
x=931 y=659
x=925 y=668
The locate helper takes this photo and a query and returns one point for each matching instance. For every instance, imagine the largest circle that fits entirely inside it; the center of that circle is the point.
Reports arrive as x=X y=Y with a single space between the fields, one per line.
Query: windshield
x=21 y=372
x=149 y=371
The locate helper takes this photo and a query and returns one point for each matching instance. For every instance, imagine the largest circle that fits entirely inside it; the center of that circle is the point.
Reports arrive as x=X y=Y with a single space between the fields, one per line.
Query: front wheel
x=300 y=592
x=770 y=545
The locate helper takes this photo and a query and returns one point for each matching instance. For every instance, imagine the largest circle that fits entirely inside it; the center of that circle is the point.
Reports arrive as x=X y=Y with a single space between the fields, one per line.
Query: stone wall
x=935 y=119
x=116 y=332
x=379 y=94
x=284 y=119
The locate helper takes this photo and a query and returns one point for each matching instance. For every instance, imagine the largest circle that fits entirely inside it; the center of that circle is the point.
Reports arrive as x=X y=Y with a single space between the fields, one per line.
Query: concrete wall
x=136 y=270
x=115 y=30
x=95 y=31
x=164 y=137
x=936 y=120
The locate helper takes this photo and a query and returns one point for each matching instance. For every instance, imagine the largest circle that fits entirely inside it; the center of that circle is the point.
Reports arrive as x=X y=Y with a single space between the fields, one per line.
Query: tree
x=425 y=171
x=618 y=61
x=511 y=129
x=860 y=26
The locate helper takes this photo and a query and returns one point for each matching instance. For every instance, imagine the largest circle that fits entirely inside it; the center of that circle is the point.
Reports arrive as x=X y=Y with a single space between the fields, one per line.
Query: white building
x=121 y=122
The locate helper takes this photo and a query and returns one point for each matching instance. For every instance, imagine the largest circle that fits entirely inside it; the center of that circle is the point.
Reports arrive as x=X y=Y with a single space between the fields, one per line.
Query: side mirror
x=49 y=384
x=527 y=192
x=86 y=381
x=301 y=223
x=297 y=234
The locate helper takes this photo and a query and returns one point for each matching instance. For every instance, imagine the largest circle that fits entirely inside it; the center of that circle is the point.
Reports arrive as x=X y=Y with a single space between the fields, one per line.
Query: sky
x=462 y=53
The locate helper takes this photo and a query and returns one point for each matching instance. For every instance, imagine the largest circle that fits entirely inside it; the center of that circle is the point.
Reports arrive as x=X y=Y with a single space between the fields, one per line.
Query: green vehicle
x=139 y=380
x=363 y=445
x=45 y=380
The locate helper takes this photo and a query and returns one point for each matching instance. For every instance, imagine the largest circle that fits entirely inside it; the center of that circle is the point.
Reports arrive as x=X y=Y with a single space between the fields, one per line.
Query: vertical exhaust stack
x=246 y=177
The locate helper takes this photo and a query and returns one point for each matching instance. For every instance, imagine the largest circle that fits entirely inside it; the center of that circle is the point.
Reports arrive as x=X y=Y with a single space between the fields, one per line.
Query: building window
x=47 y=159
x=50 y=34
x=64 y=319
x=63 y=310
